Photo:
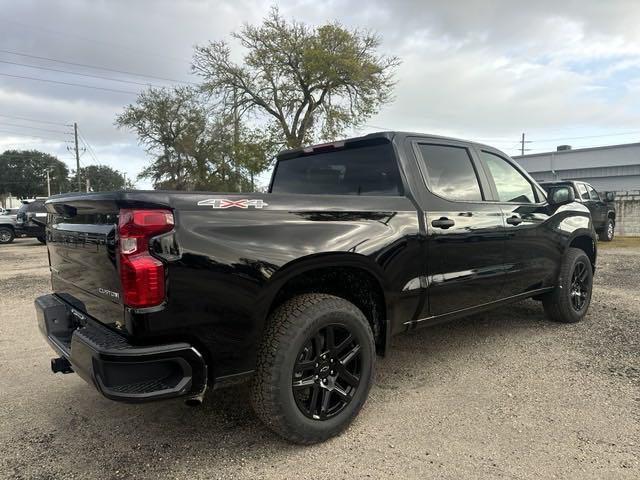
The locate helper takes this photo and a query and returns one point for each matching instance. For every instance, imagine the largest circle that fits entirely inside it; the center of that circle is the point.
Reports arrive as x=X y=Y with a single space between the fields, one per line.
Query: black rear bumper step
x=119 y=370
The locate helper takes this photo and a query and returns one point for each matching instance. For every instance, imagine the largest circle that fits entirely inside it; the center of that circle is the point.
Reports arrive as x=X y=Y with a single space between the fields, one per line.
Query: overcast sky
x=487 y=70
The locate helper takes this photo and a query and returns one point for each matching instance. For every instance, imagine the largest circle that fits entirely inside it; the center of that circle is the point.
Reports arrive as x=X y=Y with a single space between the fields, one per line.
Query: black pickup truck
x=165 y=294
x=603 y=212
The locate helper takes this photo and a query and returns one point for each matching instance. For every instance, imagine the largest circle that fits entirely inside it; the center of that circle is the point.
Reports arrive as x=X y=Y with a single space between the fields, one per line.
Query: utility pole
x=522 y=142
x=88 y=186
x=124 y=175
x=236 y=138
x=75 y=136
x=48 y=184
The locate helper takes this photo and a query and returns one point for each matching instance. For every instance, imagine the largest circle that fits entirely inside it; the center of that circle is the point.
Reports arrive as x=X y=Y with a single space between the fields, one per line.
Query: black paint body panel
x=225 y=267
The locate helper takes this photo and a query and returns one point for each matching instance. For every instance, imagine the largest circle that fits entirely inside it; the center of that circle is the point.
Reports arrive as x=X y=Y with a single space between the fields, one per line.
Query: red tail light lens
x=141 y=275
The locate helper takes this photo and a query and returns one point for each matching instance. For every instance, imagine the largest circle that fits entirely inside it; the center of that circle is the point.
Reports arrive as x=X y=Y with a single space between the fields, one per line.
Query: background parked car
x=31 y=219
x=600 y=205
x=7 y=225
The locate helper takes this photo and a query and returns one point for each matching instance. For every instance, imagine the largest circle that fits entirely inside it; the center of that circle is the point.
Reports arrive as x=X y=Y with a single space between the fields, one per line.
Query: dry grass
x=621 y=242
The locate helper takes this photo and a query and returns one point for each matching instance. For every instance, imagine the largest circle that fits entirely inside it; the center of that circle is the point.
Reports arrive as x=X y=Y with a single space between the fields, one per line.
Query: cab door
x=596 y=206
x=532 y=251
x=465 y=232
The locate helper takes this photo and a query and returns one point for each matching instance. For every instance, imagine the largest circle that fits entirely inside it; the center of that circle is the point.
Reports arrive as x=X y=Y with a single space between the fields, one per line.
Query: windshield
x=357 y=170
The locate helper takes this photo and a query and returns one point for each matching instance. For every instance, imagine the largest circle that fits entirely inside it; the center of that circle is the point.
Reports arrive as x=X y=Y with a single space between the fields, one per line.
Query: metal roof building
x=611 y=168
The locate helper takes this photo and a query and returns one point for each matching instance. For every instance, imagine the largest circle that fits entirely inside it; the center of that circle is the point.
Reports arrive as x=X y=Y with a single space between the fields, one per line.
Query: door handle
x=515 y=220
x=443 y=222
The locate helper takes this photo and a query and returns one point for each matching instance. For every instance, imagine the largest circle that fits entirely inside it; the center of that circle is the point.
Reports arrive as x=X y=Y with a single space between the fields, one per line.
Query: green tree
x=311 y=83
x=23 y=173
x=196 y=146
x=102 y=178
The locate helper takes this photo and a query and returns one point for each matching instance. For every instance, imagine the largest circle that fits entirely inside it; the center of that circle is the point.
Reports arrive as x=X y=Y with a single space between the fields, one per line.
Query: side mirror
x=609 y=196
x=561 y=195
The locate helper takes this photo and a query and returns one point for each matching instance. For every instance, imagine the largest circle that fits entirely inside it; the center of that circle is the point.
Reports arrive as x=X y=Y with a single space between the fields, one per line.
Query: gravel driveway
x=502 y=395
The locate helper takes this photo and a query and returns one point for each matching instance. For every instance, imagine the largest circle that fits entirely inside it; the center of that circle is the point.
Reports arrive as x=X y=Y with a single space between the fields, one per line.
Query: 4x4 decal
x=226 y=203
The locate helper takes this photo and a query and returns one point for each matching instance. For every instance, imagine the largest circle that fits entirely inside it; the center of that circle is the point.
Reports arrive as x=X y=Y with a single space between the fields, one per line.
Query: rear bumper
x=119 y=370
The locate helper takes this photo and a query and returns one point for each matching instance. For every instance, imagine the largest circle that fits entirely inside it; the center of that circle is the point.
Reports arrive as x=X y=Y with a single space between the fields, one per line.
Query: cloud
x=475 y=69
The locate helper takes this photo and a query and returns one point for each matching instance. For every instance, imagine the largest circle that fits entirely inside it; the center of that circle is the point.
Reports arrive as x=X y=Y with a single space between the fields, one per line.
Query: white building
x=611 y=168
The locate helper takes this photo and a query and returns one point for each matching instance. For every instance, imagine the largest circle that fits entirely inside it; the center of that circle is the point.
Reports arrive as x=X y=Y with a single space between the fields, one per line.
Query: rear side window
x=37 y=206
x=511 y=185
x=584 y=194
x=450 y=172
x=356 y=170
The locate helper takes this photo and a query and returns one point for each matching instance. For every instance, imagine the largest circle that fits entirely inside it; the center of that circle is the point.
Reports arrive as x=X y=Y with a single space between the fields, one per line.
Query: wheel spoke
x=343 y=345
x=313 y=403
x=583 y=274
x=347 y=376
x=351 y=354
x=324 y=407
x=304 y=383
x=341 y=394
x=318 y=343
x=304 y=366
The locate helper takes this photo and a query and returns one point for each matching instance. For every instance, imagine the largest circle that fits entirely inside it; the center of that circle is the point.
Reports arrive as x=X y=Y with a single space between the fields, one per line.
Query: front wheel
x=42 y=240
x=606 y=235
x=6 y=235
x=315 y=368
x=569 y=301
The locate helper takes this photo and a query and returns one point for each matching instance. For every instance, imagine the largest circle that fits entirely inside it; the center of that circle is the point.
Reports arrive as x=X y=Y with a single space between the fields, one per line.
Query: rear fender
x=309 y=263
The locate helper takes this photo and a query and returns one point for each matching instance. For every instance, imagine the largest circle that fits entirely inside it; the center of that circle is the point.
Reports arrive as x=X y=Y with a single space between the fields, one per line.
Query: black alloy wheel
x=327 y=372
x=570 y=299
x=314 y=369
x=580 y=286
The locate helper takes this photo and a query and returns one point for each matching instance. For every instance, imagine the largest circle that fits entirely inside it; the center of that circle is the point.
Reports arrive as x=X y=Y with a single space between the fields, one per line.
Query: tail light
x=141 y=275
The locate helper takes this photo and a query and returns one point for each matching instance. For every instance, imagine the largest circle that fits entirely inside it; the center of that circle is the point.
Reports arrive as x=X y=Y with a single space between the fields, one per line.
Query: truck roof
x=387 y=135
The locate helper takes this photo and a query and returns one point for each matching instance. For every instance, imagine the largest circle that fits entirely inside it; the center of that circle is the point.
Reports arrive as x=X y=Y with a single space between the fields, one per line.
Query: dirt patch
x=502 y=395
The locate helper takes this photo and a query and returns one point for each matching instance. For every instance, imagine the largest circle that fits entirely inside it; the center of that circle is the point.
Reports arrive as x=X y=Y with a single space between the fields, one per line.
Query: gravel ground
x=502 y=395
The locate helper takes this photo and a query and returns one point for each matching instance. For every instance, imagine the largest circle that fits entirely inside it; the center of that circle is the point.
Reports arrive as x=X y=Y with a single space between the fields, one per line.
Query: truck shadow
x=165 y=435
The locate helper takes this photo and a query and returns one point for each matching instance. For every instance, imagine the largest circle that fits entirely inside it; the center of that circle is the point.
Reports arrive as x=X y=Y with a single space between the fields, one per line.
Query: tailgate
x=82 y=254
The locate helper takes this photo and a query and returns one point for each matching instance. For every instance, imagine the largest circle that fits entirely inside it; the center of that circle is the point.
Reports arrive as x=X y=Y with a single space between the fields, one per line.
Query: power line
x=18 y=134
x=32 y=120
x=587 y=136
x=69 y=83
x=33 y=128
x=50 y=31
x=89 y=147
x=97 y=67
x=111 y=79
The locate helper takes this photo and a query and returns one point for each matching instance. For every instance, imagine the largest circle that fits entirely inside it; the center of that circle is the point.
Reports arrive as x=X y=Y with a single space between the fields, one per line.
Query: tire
x=42 y=240
x=569 y=302
x=291 y=368
x=607 y=234
x=6 y=235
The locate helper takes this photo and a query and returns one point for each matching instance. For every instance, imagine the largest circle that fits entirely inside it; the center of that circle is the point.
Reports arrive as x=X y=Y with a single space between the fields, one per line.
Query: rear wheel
x=606 y=235
x=6 y=235
x=315 y=368
x=570 y=300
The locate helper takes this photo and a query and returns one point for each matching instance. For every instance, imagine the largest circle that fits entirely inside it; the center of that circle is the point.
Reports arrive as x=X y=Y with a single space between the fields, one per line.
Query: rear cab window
x=582 y=189
x=450 y=172
x=357 y=168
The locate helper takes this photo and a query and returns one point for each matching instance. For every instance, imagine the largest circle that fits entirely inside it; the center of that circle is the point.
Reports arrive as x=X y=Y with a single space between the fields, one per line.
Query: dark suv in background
x=601 y=206
x=32 y=219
